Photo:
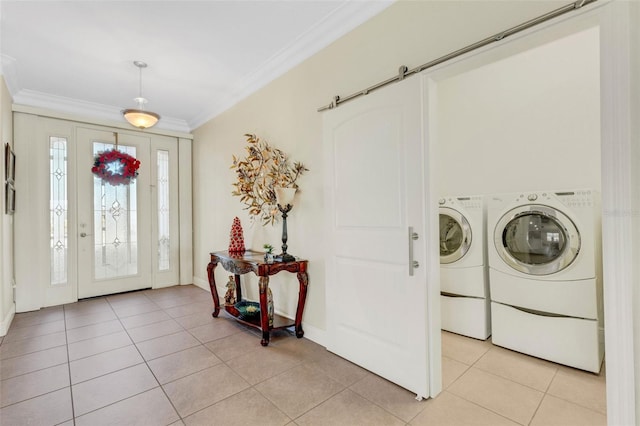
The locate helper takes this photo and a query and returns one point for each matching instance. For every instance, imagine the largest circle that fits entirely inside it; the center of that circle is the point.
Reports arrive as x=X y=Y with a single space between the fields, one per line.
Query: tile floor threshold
x=157 y=357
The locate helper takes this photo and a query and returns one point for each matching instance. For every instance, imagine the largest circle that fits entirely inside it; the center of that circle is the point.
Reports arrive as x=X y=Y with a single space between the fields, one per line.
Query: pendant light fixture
x=139 y=117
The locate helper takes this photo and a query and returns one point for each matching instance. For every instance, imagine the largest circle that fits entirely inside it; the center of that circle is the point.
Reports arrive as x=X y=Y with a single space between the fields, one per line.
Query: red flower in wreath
x=115 y=167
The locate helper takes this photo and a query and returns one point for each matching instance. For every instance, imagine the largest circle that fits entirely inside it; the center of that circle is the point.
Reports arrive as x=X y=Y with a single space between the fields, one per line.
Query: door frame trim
x=32 y=224
x=617 y=138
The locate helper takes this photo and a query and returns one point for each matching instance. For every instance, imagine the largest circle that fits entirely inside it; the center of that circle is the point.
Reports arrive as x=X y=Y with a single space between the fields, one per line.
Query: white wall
x=284 y=112
x=528 y=122
x=7 y=307
x=634 y=18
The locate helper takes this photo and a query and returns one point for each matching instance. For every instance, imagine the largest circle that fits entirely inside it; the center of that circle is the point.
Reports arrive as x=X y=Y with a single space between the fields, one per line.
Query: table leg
x=263 y=286
x=303 y=279
x=212 y=285
x=238 y=288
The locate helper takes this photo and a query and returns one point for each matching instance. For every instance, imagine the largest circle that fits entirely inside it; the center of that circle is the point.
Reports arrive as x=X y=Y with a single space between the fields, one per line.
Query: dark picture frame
x=9 y=164
x=9 y=198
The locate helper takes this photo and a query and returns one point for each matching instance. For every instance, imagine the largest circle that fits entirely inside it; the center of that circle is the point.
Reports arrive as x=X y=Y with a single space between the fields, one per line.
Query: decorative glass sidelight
x=164 y=252
x=115 y=223
x=58 y=214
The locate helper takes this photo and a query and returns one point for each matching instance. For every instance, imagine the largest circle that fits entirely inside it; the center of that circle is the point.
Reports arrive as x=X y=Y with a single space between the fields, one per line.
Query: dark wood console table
x=251 y=261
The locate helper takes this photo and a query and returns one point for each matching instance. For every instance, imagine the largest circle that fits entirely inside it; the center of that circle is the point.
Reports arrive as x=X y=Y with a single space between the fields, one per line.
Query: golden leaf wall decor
x=264 y=169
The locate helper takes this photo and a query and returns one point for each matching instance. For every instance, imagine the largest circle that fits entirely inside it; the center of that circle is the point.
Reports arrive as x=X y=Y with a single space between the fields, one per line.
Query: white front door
x=114 y=226
x=375 y=197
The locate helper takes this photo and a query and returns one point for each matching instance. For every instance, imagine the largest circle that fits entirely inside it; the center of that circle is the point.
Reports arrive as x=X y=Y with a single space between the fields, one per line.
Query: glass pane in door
x=164 y=228
x=115 y=224
x=58 y=212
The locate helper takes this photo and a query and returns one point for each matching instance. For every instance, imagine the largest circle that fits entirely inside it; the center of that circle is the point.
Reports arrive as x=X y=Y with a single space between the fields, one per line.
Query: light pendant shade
x=139 y=117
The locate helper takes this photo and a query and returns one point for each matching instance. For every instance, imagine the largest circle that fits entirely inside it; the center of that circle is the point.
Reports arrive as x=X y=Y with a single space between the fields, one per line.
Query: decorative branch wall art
x=264 y=169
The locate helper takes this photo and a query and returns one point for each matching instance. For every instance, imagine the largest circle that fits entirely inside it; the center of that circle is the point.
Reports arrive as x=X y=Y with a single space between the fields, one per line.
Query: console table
x=251 y=261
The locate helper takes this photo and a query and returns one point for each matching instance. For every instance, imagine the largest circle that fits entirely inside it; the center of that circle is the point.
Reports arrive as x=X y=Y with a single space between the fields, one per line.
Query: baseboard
x=315 y=334
x=6 y=321
x=203 y=284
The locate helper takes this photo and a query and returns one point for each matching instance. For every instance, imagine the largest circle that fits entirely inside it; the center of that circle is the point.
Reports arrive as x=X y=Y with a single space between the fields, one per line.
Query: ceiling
x=203 y=56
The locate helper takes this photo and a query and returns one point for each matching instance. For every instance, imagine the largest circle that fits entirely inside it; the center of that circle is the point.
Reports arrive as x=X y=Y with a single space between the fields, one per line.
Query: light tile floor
x=157 y=357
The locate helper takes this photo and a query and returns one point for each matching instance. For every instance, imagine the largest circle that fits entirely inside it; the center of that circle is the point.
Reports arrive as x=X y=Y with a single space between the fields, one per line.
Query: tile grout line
x=545 y=392
x=469 y=366
x=73 y=410
x=39 y=369
x=144 y=360
x=253 y=386
x=286 y=371
x=36 y=351
x=501 y=377
x=373 y=402
x=222 y=362
x=248 y=331
x=567 y=400
x=576 y=403
x=12 y=340
x=17 y=327
x=485 y=408
x=70 y=381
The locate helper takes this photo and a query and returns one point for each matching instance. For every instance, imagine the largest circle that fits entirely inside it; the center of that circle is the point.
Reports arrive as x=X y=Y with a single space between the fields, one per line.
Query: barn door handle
x=413 y=264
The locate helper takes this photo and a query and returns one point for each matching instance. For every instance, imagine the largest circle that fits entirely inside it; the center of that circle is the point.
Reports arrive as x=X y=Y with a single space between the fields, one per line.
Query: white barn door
x=375 y=196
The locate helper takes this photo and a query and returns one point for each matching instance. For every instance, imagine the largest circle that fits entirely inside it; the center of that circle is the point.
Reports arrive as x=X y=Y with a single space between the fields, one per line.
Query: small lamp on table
x=284 y=197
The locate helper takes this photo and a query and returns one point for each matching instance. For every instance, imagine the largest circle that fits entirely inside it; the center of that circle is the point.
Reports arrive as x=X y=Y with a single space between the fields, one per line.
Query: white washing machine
x=464 y=298
x=546 y=276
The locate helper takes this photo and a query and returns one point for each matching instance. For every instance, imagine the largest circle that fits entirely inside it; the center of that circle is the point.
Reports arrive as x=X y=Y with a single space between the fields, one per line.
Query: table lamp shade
x=284 y=196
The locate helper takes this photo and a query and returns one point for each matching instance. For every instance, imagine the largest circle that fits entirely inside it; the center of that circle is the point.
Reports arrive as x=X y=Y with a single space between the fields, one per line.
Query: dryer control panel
x=473 y=202
x=582 y=198
x=579 y=198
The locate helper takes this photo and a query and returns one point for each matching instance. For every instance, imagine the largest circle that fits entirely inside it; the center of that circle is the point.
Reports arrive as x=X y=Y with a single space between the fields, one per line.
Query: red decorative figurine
x=236 y=238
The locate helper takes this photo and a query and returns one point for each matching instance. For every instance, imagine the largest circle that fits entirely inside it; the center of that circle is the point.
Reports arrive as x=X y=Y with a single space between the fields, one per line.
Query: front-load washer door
x=537 y=240
x=455 y=235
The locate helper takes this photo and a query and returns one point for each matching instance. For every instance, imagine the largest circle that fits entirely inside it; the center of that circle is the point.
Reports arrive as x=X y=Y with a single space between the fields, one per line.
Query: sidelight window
x=164 y=247
x=58 y=212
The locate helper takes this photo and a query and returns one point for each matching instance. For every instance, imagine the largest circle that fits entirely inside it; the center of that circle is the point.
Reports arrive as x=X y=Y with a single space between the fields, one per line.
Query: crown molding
x=92 y=120
x=82 y=108
x=333 y=26
x=8 y=71
x=317 y=37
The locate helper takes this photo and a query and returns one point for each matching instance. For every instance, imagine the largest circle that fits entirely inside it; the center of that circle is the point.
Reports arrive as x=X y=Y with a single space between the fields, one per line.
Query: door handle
x=84 y=234
x=413 y=264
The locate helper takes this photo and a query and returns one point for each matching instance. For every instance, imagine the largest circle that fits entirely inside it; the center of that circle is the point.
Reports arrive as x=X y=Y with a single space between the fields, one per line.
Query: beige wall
x=6 y=223
x=284 y=112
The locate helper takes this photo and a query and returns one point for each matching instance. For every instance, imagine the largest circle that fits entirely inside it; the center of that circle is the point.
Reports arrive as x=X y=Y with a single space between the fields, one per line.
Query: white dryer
x=546 y=276
x=464 y=298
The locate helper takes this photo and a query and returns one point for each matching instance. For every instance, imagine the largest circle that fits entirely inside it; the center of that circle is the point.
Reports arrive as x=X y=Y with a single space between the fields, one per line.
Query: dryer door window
x=455 y=235
x=534 y=239
x=537 y=240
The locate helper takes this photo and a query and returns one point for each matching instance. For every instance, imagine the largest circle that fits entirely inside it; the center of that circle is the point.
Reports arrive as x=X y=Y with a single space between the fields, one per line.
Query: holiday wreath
x=115 y=167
